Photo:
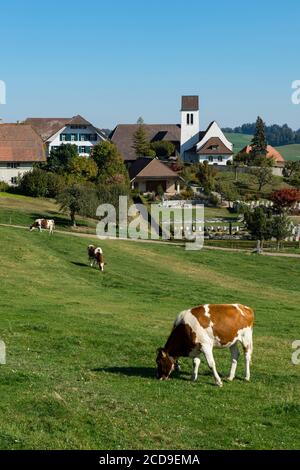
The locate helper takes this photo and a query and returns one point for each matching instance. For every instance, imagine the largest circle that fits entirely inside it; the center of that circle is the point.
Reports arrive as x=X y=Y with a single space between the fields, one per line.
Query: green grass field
x=239 y=140
x=290 y=152
x=81 y=347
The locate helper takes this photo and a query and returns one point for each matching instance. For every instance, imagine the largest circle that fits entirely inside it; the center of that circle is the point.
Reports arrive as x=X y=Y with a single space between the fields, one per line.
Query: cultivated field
x=81 y=347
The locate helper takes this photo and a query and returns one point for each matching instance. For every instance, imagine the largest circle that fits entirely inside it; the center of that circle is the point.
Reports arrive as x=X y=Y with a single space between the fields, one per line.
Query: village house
x=147 y=175
x=20 y=148
x=190 y=143
x=76 y=130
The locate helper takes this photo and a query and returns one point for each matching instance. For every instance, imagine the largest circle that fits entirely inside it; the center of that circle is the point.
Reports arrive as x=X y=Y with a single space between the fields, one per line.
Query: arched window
x=188 y=119
x=192 y=119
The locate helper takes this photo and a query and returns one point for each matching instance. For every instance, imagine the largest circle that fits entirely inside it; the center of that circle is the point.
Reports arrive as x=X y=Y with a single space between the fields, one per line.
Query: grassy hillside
x=81 y=347
x=239 y=140
x=290 y=152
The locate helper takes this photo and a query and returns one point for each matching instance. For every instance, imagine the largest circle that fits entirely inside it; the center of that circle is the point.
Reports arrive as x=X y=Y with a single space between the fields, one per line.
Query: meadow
x=81 y=347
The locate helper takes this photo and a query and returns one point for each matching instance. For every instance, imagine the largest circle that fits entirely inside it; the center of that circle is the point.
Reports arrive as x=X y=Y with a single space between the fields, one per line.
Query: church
x=191 y=144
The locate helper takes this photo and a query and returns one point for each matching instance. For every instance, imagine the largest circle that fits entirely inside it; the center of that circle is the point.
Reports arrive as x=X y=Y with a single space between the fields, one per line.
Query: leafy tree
x=227 y=191
x=141 y=142
x=280 y=228
x=111 y=167
x=291 y=168
x=61 y=157
x=34 y=183
x=284 y=199
x=259 y=143
x=84 y=169
x=206 y=175
x=40 y=183
x=78 y=200
x=163 y=148
x=263 y=175
x=258 y=223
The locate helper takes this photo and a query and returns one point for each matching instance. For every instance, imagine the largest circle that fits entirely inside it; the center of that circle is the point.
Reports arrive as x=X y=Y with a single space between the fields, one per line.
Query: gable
x=214 y=131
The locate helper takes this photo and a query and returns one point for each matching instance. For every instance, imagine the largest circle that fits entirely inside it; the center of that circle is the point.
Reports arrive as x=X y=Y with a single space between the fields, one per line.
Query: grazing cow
x=95 y=256
x=202 y=328
x=45 y=224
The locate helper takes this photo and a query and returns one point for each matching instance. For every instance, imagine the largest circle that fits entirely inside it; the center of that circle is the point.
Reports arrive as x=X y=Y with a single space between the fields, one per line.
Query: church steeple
x=189 y=122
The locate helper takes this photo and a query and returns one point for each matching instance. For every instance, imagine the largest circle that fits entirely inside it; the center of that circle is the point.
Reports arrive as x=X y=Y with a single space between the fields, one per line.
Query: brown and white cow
x=95 y=256
x=199 y=330
x=46 y=224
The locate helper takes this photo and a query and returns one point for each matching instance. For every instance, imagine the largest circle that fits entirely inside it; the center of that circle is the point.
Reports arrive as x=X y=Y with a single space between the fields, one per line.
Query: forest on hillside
x=276 y=135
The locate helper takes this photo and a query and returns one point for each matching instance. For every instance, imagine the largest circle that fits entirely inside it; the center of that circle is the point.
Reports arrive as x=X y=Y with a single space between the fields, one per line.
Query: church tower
x=189 y=122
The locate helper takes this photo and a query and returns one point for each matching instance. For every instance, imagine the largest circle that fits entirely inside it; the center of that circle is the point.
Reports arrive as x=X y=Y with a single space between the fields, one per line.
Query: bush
x=4 y=187
x=34 y=183
x=40 y=183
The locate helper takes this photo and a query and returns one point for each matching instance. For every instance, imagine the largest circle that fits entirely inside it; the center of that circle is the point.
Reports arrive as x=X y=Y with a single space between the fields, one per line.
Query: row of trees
x=275 y=134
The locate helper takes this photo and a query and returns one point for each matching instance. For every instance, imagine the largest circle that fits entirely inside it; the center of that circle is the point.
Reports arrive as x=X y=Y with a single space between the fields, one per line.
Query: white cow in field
x=46 y=224
x=200 y=329
x=95 y=256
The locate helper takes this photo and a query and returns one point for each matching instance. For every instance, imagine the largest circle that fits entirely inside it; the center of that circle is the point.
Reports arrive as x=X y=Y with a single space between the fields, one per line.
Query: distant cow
x=45 y=224
x=202 y=328
x=95 y=256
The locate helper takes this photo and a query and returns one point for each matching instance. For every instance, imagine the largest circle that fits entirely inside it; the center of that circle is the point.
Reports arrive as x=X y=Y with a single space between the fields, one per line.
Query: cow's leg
x=208 y=352
x=247 y=343
x=177 y=366
x=102 y=267
x=196 y=364
x=234 y=360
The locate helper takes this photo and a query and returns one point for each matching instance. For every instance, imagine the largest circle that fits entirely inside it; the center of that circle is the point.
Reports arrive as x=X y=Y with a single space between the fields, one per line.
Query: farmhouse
x=20 y=148
x=190 y=143
x=148 y=174
x=75 y=130
x=271 y=153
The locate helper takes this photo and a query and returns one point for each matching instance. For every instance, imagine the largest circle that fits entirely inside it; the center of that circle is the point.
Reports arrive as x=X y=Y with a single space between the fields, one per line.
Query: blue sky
x=113 y=61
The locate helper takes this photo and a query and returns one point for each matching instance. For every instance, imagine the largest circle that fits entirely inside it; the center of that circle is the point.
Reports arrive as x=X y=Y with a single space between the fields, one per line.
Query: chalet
x=76 y=130
x=20 y=148
x=190 y=143
x=148 y=174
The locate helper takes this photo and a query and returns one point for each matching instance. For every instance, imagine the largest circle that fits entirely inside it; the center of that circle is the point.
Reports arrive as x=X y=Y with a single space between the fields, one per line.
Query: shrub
x=34 y=183
x=4 y=187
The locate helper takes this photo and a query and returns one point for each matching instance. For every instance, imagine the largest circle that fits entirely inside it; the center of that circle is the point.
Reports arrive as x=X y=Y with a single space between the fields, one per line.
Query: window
x=220 y=158
x=74 y=137
x=192 y=119
x=214 y=147
x=82 y=150
x=14 y=180
x=210 y=158
x=83 y=137
x=63 y=137
x=188 y=119
x=13 y=165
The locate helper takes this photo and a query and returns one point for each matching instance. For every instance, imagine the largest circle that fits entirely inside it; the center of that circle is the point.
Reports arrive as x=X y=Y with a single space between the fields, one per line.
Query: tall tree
x=280 y=228
x=259 y=142
x=140 y=141
x=258 y=223
x=78 y=199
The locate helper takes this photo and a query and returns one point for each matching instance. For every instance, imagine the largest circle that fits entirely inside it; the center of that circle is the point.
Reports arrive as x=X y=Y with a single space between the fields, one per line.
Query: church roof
x=214 y=146
x=189 y=103
x=122 y=136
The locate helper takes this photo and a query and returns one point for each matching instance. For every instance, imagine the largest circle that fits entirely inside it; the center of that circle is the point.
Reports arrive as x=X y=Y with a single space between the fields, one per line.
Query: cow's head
x=165 y=364
x=31 y=227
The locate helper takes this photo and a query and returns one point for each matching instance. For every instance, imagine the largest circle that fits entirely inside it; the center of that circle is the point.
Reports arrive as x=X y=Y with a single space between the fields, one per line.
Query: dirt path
x=218 y=248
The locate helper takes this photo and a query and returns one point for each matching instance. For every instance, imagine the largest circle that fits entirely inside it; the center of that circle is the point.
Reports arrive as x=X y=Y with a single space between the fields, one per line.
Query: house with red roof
x=21 y=148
